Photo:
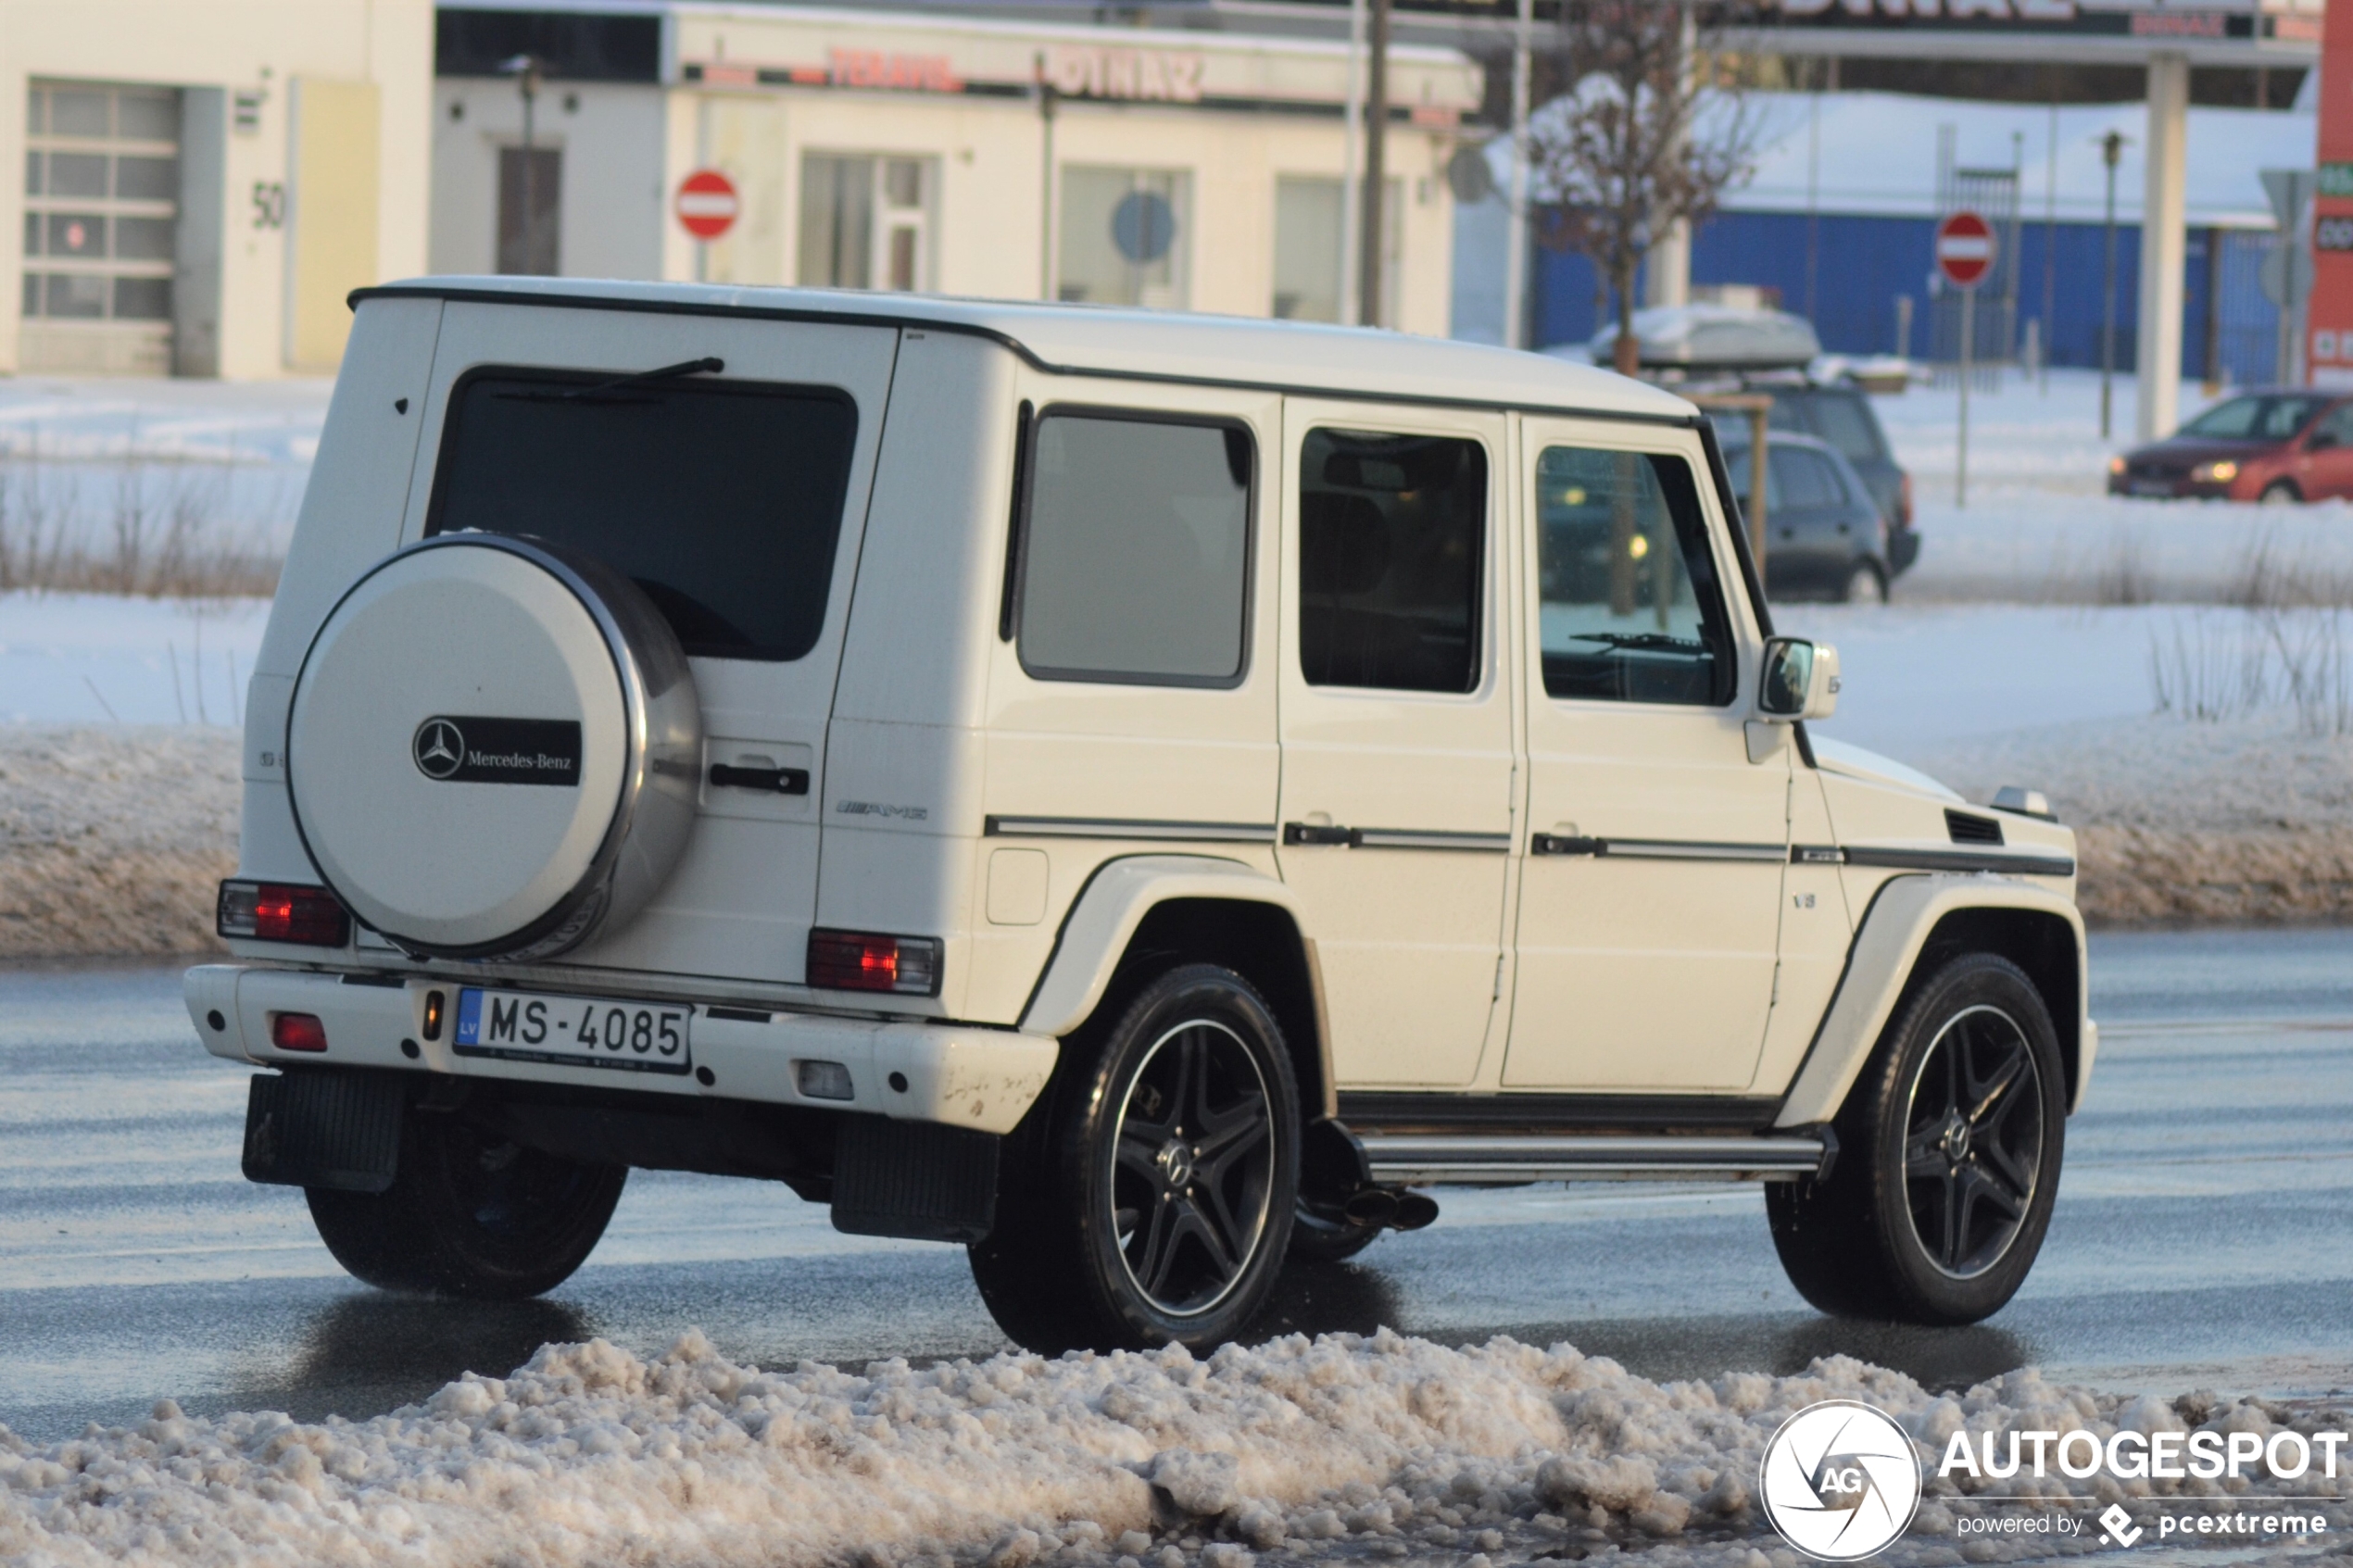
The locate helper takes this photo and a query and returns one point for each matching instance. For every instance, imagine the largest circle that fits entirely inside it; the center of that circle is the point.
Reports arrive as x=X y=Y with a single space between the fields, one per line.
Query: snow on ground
x=1340 y=1447
x=2039 y=526
x=113 y=840
x=100 y=658
x=80 y=456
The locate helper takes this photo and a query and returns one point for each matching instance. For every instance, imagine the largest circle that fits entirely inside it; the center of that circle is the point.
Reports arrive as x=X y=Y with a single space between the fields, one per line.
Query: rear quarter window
x=722 y=499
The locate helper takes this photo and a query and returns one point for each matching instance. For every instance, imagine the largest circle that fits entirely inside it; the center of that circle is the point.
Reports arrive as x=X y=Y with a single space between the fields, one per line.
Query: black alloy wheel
x=1949 y=1151
x=1148 y=1197
x=1973 y=1142
x=469 y=1214
x=1194 y=1167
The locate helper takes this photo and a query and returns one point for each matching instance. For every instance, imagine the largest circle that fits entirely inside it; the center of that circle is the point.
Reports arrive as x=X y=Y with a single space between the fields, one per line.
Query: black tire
x=2280 y=493
x=1147 y=1199
x=1949 y=1152
x=1322 y=1240
x=469 y=1214
x=1865 y=584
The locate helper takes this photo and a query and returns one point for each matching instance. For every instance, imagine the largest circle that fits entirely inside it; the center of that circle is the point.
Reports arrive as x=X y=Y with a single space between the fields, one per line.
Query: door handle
x=1301 y=833
x=772 y=780
x=1557 y=844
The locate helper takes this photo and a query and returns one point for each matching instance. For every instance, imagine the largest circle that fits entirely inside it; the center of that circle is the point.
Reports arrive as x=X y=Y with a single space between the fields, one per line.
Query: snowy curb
x=1341 y=1447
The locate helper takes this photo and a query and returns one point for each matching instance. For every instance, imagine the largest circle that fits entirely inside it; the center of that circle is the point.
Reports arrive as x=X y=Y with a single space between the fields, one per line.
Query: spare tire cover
x=494 y=747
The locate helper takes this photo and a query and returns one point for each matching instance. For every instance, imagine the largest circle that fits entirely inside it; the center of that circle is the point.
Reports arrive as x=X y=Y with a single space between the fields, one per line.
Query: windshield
x=2258 y=417
x=722 y=499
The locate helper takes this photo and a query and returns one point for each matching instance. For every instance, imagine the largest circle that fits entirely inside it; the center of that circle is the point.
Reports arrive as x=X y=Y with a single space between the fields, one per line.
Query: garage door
x=102 y=184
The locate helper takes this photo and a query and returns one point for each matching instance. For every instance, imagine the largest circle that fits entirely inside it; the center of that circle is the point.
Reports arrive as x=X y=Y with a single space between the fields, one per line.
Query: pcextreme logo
x=1840 y=1480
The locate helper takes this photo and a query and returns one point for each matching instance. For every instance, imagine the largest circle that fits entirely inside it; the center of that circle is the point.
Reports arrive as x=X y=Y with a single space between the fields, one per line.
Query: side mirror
x=2320 y=441
x=1800 y=680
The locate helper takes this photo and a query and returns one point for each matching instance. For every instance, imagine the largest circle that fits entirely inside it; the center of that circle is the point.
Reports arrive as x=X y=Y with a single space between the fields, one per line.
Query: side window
x=2339 y=424
x=1631 y=610
x=1848 y=424
x=1804 y=479
x=1135 y=550
x=1392 y=533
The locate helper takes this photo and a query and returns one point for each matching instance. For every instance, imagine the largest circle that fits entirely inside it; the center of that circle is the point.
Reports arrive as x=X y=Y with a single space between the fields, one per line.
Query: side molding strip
x=1129 y=828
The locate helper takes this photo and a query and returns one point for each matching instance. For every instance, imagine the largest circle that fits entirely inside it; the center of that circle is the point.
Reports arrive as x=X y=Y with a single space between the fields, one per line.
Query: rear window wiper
x=1640 y=640
x=614 y=391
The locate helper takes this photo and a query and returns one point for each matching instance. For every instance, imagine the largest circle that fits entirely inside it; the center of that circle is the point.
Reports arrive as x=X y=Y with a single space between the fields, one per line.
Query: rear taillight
x=280 y=911
x=297 y=1031
x=861 y=960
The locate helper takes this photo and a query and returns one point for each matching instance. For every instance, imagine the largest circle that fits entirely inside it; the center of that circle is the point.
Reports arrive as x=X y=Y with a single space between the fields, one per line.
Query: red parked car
x=2280 y=445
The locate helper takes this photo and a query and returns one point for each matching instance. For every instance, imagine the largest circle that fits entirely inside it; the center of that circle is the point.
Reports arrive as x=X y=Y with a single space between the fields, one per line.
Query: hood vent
x=1967 y=829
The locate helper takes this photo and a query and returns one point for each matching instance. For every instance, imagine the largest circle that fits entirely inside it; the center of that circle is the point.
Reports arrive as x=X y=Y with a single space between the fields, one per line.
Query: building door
x=102 y=198
x=1396 y=717
x=531 y=210
x=866 y=222
x=1650 y=900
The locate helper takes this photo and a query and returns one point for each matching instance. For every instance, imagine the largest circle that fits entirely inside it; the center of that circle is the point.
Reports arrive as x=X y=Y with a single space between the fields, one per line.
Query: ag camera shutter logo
x=1840 y=1480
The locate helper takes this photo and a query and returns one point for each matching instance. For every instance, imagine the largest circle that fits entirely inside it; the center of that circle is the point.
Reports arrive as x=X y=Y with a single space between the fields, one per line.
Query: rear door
x=1397 y=732
x=2330 y=459
x=735 y=498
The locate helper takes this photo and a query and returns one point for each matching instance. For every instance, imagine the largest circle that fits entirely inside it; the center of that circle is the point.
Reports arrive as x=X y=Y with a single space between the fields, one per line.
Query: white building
x=1186 y=169
x=193 y=188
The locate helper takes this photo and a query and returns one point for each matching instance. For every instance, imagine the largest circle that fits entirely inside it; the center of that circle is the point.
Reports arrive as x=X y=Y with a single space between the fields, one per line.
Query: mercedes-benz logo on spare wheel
x=439 y=748
x=1840 y=1480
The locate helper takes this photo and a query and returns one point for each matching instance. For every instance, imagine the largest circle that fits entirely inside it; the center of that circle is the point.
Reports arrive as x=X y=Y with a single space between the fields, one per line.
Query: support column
x=2164 y=247
x=1667 y=275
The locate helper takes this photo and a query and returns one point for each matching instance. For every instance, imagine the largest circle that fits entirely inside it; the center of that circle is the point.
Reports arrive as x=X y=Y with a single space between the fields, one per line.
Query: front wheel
x=2280 y=492
x=1864 y=586
x=469 y=1214
x=1149 y=1199
x=1950 y=1146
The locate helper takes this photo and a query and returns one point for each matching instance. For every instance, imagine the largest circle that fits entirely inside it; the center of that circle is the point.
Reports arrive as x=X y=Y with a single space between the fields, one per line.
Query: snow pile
x=1339 y=1447
x=112 y=841
x=2231 y=822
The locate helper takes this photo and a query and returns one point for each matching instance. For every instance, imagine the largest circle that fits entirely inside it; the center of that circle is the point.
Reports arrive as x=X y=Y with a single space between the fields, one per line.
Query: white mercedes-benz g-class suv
x=1136 y=795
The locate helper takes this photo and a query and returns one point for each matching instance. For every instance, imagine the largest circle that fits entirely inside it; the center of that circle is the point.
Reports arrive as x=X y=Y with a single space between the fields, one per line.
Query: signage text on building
x=1149 y=75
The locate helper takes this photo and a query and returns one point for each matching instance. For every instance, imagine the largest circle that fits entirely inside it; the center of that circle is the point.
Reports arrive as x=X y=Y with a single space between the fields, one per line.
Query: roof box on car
x=1709 y=337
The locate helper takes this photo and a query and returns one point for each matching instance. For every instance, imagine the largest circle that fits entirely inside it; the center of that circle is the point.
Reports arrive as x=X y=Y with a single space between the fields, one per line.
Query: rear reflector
x=297 y=1031
x=280 y=911
x=859 y=960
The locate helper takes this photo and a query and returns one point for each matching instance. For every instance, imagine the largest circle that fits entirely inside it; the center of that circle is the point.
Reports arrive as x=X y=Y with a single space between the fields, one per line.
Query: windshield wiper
x=1640 y=640
x=604 y=392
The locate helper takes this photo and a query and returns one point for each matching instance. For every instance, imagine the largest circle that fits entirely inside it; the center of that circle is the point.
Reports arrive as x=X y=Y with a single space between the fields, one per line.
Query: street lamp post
x=525 y=70
x=2111 y=152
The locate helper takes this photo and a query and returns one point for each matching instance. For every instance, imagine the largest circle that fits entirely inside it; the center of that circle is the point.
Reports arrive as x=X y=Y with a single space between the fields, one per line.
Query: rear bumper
x=1903 y=548
x=954 y=1075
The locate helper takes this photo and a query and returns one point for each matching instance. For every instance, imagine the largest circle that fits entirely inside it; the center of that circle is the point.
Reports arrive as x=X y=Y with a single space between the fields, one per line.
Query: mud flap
x=338 y=1129
x=914 y=1179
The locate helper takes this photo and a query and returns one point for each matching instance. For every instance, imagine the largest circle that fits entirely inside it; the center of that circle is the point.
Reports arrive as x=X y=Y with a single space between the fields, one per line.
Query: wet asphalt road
x=2204 y=1236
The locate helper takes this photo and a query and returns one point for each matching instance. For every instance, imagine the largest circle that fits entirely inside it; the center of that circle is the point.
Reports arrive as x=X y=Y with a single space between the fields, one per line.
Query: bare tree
x=1637 y=142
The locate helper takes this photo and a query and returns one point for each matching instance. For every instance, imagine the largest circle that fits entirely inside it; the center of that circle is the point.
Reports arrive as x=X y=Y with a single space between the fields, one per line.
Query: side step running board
x=1416 y=1159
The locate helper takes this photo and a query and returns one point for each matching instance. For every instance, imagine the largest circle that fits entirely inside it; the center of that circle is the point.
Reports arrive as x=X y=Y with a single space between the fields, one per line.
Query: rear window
x=722 y=500
x=1847 y=424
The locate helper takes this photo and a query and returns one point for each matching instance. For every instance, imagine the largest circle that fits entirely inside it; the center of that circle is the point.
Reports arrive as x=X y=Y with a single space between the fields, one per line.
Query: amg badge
x=471 y=749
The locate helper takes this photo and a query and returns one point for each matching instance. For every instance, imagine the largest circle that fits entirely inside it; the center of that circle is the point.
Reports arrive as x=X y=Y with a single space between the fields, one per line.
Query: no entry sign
x=706 y=203
x=1965 y=250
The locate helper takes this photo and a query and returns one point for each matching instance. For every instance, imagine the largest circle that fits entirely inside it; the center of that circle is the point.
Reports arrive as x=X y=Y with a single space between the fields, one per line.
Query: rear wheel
x=469 y=1214
x=1149 y=1197
x=1949 y=1158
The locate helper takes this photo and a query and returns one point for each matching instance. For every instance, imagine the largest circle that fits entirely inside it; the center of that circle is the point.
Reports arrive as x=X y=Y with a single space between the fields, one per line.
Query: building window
x=1126 y=234
x=865 y=221
x=1311 y=254
x=531 y=210
x=101 y=187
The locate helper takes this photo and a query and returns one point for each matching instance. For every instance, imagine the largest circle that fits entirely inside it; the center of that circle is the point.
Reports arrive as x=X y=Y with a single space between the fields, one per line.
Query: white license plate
x=574 y=1031
x=2151 y=487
